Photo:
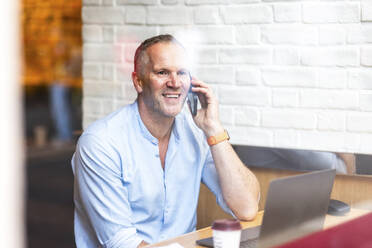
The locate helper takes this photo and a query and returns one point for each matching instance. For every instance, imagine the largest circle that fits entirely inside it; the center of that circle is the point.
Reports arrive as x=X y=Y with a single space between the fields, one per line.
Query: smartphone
x=192 y=100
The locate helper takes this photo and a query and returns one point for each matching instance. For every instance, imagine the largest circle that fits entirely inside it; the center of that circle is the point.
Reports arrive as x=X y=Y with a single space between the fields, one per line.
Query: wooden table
x=188 y=240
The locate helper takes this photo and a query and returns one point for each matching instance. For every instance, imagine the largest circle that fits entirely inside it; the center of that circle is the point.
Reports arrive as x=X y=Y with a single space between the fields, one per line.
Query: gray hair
x=140 y=51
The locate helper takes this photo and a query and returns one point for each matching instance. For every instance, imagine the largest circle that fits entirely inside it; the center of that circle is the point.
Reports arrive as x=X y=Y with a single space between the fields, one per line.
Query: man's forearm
x=240 y=187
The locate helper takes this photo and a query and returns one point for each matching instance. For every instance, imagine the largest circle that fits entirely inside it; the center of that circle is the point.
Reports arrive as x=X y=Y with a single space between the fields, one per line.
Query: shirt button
x=157 y=155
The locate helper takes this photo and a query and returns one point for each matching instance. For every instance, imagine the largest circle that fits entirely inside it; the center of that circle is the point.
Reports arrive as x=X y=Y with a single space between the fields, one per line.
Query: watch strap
x=213 y=140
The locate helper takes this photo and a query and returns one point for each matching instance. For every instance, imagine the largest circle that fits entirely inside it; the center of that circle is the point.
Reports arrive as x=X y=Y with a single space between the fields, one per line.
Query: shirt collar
x=176 y=129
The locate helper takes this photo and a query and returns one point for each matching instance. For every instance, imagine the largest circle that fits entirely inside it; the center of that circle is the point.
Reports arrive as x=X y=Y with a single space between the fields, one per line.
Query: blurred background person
x=66 y=67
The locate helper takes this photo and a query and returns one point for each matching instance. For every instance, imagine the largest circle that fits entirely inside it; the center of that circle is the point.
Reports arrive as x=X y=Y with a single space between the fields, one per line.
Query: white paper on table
x=173 y=245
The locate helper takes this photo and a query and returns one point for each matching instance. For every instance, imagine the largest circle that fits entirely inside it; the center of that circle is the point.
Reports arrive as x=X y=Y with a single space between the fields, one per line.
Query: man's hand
x=207 y=118
x=142 y=244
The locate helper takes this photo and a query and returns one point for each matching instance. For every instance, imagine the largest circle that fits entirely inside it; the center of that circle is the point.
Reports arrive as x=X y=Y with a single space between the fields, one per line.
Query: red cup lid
x=226 y=225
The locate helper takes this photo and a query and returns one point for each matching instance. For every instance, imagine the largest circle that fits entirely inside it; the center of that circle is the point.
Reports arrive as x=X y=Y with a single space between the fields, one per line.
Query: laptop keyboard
x=252 y=243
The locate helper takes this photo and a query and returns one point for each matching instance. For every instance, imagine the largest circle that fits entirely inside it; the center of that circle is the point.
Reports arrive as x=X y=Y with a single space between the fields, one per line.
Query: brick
x=287 y=12
x=343 y=56
x=102 y=15
x=366 y=144
x=108 y=33
x=207 y=15
x=242 y=95
x=88 y=119
x=216 y=74
x=359 y=34
x=108 y=72
x=226 y=115
x=132 y=34
x=298 y=119
x=98 y=90
x=199 y=2
x=108 y=2
x=360 y=79
x=286 y=56
x=359 y=122
x=351 y=141
x=285 y=98
x=365 y=101
x=323 y=99
x=92 y=106
x=332 y=35
x=248 y=76
x=102 y=53
x=251 y=136
x=169 y=15
x=205 y=55
x=121 y=103
x=91 y=2
x=289 y=34
x=331 y=12
x=169 y=2
x=216 y=35
x=299 y=77
x=107 y=106
x=92 y=71
x=129 y=92
x=246 y=55
x=332 y=78
x=129 y=52
x=124 y=73
x=92 y=33
x=366 y=56
x=189 y=36
x=366 y=11
x=243 y=1
x=118 y=91
x=136 y=2
x=248 y=34
x=285 y=138
x=331 y=121
x=247 y=116
x=321 y=141
x=135 y=15
x=247 y=14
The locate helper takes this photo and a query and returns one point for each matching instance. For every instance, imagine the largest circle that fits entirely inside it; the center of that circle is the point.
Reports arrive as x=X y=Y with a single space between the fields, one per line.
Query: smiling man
x=138 y=170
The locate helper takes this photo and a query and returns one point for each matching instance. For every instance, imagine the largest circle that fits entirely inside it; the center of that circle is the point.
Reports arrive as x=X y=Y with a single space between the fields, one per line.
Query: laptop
x=295 y=206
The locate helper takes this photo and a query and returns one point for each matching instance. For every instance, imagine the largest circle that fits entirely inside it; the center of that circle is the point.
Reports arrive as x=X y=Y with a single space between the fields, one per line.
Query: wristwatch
x=213 y=140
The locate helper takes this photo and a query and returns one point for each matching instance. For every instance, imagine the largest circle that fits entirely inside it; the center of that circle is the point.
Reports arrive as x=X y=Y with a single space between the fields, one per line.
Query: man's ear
x=137 y=82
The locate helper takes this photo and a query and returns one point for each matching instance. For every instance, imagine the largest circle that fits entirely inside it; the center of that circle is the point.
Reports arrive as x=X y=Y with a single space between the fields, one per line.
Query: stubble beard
x=156 y=106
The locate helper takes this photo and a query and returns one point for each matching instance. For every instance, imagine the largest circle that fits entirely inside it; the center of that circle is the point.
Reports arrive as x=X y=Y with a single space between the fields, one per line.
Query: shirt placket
x=167 y=208
x=156 y=155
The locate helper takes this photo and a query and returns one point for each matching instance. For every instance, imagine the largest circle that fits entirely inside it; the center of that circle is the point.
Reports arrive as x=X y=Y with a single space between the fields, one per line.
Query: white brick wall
x=287 y=73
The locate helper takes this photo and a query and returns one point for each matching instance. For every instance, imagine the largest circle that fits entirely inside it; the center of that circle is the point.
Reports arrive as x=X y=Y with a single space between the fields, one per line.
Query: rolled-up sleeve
x=101 y=197
x=211 y=180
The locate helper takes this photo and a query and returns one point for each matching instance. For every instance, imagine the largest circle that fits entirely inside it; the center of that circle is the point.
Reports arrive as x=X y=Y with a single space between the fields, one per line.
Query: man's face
x=165 y=79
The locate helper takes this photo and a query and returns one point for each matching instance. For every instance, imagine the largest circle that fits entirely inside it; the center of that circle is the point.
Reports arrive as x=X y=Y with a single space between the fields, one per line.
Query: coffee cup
x=226 y=233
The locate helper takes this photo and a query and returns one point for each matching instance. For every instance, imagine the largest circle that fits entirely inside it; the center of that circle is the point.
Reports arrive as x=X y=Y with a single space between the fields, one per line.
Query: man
x=138 y=170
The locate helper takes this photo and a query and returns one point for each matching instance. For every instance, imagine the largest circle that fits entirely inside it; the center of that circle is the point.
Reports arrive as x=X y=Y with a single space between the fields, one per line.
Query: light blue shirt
x=121 y=193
